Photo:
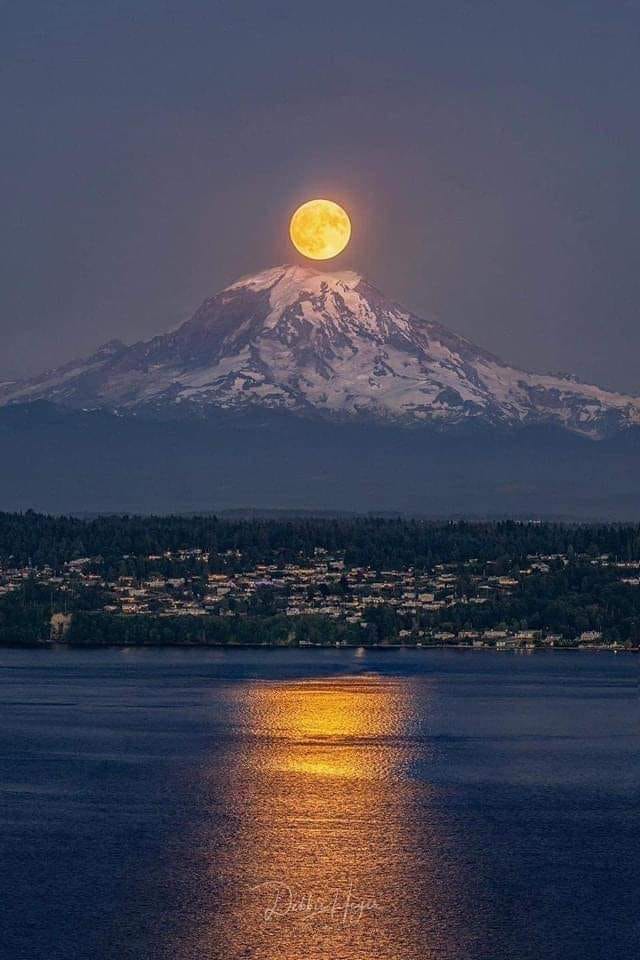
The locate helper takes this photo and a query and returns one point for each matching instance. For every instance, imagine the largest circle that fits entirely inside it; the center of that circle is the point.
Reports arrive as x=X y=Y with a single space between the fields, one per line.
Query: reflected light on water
x=329 y=729
x=323 y=853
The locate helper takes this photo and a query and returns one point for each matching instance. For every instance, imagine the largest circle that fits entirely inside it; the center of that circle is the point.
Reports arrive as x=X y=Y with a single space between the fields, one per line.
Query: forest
x=41 y=539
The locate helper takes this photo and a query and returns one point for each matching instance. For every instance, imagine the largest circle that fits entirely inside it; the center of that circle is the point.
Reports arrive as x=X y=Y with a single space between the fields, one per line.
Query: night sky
x=487 y=152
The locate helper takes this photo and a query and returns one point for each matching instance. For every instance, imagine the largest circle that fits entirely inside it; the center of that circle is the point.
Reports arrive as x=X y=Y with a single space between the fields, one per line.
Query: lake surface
x=343 y=805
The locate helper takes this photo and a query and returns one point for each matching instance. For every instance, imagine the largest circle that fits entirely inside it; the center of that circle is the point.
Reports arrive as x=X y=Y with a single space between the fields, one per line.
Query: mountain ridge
x=325 y=344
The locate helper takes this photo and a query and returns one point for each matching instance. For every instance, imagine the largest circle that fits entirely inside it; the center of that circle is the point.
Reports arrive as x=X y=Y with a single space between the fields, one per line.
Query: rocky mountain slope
x=328 y=344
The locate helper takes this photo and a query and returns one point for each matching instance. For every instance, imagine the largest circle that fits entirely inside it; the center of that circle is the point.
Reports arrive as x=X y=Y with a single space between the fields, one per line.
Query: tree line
x=40 y=539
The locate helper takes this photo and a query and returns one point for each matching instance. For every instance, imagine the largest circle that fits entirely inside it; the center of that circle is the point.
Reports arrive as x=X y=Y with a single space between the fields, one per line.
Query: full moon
x=320 y=229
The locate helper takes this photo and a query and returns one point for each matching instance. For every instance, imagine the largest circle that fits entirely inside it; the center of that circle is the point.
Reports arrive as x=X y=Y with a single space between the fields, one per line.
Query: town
x=463 y=604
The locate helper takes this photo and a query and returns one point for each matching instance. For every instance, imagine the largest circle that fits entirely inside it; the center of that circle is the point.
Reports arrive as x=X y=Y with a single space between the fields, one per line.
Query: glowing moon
x=320 y=229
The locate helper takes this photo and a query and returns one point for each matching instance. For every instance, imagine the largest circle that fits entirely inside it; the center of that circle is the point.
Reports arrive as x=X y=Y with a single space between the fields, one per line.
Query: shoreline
x=379 y=647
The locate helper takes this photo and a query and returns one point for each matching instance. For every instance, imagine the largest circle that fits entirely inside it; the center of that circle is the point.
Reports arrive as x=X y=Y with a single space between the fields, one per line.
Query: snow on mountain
x=323 y=343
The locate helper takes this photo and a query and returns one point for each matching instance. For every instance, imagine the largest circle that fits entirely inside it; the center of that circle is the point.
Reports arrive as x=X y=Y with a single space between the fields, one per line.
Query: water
x=318 y=804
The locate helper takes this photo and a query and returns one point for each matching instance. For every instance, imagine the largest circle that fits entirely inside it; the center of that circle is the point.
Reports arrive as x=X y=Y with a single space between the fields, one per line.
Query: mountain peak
x=296 y=276
x=290 y=284
x=324 y=342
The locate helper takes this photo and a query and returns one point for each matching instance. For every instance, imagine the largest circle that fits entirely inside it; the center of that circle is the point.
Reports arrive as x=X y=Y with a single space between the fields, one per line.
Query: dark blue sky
x=489 y=154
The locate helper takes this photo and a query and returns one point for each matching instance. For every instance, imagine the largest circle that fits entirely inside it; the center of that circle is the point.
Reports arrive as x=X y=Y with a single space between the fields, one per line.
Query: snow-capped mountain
x=328 y=344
